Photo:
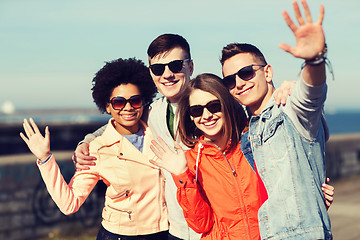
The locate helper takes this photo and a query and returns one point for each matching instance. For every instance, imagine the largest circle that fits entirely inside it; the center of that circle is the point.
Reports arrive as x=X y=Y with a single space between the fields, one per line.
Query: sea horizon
x=339 y=121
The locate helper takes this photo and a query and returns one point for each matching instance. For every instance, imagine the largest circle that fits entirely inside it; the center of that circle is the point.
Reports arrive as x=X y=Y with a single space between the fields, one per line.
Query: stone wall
x=27 y=210
x=63 y=136
x=343 y=156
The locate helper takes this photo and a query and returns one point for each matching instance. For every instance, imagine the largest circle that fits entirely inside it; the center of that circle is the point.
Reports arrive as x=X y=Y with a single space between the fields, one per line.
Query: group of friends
x=213 y=158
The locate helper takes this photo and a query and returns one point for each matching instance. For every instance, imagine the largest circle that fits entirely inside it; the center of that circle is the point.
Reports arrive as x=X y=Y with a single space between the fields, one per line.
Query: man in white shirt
x=170 y=67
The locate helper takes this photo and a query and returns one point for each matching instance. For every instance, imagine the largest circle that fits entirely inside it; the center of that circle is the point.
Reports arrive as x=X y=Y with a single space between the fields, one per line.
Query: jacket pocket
x=118 y=196
x=121 y=212
x=272 y=127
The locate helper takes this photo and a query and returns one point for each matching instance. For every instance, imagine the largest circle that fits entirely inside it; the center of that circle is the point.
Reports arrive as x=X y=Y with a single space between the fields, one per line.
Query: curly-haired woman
x=135 y=205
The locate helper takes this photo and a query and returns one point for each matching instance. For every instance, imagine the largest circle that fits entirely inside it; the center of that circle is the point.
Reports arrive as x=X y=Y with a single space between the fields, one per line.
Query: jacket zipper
x=159 y=196
x=239 y=192
x=232 y=169
x=120 y=210
x=237 y=184
x=126 y=193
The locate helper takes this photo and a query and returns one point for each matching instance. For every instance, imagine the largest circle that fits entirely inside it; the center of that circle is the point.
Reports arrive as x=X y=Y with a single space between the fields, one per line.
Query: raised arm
x=70 y=197
x=310 y=43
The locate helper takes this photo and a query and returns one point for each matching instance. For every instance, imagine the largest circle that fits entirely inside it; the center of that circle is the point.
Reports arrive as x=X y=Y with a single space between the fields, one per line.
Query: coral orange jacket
x=224 y=201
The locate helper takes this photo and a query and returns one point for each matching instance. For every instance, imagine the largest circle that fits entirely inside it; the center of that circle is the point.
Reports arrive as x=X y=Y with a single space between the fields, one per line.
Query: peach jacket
x=134 y=199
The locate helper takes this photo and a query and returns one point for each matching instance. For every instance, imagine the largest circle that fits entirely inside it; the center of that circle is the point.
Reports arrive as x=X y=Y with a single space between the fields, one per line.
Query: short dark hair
x=122 y=71
x=233 y=49
x=234 y=115
x=167 y=42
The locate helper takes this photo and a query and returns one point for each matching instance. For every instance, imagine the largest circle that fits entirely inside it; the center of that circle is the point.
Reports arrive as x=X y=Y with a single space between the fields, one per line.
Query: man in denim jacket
x=286 y=141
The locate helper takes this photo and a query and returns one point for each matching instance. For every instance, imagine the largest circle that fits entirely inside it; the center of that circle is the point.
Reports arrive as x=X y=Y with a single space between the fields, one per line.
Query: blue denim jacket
x=292 y=168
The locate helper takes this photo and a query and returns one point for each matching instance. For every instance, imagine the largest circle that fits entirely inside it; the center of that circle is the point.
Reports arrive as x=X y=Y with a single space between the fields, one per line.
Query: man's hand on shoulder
x=81 y=157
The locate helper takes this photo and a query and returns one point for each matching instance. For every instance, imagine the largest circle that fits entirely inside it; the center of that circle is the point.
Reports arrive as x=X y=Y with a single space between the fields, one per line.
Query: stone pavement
x=345 y=210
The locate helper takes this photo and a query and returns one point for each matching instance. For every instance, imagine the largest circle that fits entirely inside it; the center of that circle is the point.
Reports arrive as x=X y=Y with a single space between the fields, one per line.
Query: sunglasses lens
x=196 y=111
x=214 y=106
x=136 y=101
x=246 y=73
x=157 y=69
x=118 y=103
x=229 y=81
x=176 y=66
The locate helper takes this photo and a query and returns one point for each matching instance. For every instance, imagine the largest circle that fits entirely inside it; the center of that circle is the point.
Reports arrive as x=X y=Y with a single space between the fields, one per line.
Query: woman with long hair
x=219 y=190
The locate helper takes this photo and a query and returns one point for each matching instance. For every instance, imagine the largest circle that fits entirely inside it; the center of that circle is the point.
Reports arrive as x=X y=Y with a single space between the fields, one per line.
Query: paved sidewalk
x=345 y=210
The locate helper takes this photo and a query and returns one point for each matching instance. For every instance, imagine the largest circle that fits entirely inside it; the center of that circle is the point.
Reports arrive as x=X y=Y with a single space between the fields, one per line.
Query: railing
x=27 y=210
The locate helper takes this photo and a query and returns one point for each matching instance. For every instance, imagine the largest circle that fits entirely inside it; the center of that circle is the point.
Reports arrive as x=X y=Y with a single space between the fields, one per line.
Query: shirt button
x=181 y=181
x=121 y=154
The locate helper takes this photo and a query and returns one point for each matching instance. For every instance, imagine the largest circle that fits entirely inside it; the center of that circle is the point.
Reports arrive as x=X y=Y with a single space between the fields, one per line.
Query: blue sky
x=50 y=50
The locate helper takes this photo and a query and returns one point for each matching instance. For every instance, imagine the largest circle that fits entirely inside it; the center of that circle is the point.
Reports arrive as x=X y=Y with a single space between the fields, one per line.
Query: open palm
x=309 y=35
x=173 y=162
x=38 y=145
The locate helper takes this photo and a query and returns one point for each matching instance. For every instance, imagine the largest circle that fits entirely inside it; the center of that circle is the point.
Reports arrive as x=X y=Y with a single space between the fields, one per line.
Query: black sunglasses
x=174 y=66
x=213 y=106
x=245 y=73
x=118 y=103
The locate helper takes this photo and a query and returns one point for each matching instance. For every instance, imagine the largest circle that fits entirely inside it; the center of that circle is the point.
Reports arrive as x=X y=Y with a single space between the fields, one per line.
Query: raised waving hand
x=38 y=145
x=309 y=35
x=173 y=162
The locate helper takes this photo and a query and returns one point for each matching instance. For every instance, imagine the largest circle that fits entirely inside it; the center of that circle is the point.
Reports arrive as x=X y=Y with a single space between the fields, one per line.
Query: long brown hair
x=233 y=113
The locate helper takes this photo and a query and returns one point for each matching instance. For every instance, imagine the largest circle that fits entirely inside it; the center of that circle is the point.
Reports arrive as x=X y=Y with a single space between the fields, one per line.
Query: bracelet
x=319 y=58
x=45 y=161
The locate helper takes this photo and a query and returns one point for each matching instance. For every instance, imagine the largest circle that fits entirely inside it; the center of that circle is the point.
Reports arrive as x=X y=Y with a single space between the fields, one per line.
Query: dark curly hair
x=122 y=71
